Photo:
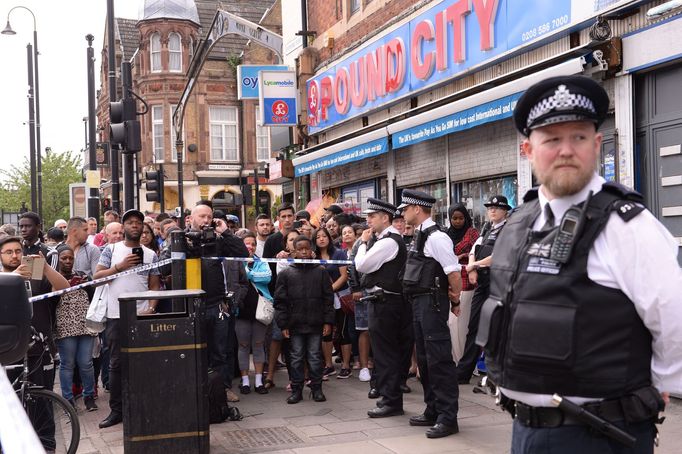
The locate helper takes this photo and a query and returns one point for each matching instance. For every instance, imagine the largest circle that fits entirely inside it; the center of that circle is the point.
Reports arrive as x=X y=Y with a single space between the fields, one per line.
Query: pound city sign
x=447 y=40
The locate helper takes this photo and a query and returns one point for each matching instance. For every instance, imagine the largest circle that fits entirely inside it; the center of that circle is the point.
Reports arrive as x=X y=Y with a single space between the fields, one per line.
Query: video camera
x=201 y=243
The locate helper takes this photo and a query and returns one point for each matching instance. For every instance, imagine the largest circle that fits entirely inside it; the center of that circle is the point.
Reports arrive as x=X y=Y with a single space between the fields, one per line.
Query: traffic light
x=154 y=186
x=124 y=126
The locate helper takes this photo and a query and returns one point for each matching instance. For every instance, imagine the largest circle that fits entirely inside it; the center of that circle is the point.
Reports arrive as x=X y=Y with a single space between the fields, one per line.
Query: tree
x=59 y=170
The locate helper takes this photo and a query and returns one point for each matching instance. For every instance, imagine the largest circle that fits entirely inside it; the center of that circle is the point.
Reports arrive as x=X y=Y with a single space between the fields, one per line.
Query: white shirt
x=638 y=257
x=260 y=244
x=382 y=251
x=439 y=246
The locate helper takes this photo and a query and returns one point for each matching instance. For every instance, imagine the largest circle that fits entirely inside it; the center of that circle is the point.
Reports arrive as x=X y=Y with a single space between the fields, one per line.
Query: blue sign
x=367 y=150
x=277 y=96
x=459 y=121
x=447 y=40
x=247 y=79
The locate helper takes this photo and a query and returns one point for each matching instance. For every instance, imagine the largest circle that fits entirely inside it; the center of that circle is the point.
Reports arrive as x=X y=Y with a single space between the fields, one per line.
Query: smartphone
x=298 y=224
x=140 y=253
x=36 y=264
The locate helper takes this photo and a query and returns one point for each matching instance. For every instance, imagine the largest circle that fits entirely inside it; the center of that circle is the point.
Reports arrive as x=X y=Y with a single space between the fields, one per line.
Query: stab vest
x=485 y=249
x=420 y=272
x=386 y=277
x=547 y=328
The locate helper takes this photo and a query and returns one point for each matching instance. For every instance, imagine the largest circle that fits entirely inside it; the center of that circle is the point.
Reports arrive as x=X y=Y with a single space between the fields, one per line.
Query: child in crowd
x=304 y=310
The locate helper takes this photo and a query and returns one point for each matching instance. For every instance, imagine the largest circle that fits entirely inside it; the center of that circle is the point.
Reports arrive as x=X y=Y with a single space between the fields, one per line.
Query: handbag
x=347 y=304
x=97 y=311
x=265 y=310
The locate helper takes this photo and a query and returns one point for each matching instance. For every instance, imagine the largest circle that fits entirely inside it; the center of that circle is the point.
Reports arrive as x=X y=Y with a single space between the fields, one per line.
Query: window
x=191 y=49
x=172 y=137
x=224 y=139
x=157 y=133
x=474 y=194
x=354 y=6
x=174 y=52
x=155 y=50
x=262 y=139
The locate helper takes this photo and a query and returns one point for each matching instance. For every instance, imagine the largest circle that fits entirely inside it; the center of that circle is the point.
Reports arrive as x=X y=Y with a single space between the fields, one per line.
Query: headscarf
x=457 y=234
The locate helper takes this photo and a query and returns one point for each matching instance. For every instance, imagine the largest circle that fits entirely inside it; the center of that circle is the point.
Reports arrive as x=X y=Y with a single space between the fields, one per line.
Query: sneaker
x=90 y=404
x=345 y=373
x=231 y=396
x=328 y=371
x=365 y=375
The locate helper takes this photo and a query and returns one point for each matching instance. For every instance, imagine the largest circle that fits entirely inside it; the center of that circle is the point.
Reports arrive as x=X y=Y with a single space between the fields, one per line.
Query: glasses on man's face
x=10 y=253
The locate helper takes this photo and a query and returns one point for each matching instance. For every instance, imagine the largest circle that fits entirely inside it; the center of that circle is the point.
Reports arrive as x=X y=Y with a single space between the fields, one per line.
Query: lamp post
x=35 y=152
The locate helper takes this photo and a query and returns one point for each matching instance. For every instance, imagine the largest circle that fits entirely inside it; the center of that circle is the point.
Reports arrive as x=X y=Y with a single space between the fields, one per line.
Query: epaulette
x=531 y=194
x=627 y=209
x=623 y=192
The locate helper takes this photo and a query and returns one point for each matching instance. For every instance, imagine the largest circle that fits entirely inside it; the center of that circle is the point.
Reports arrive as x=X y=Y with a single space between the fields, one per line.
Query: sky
x=62 y=64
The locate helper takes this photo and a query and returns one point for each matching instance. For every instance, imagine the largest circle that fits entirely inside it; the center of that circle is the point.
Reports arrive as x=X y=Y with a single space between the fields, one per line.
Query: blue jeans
x=304 y=346
x=76 y=350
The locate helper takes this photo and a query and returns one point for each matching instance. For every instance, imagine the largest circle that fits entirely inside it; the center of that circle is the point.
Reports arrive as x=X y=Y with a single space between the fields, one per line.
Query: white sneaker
x=364 y=375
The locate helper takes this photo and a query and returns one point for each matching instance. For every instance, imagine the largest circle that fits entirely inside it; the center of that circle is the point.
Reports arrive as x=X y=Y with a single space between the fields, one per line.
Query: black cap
x=378 y=205
x=334 y=209
x=561 y=99
x=499 y=201
x=130 y=213
x=412 y=197
x=219 y=214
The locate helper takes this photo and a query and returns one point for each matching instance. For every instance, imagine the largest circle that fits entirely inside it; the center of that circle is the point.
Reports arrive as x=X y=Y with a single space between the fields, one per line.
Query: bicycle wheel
x=54 y=420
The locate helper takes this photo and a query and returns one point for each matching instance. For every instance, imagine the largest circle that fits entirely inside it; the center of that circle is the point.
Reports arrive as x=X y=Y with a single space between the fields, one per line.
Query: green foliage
x=59 y=170
x=233 y=61
x=273 y=210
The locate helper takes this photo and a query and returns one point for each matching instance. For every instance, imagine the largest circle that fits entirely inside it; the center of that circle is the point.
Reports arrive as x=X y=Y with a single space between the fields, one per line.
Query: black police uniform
x=390 y=320
x=467 y=364
x=547 y=327
x=426 y=286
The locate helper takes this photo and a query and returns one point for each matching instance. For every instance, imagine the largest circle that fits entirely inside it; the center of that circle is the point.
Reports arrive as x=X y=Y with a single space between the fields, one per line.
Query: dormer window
x=174 y=52
x=155 y=51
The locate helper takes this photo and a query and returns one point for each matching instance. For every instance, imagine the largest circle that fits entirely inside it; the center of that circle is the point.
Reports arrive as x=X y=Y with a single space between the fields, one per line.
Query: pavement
x=341 y=425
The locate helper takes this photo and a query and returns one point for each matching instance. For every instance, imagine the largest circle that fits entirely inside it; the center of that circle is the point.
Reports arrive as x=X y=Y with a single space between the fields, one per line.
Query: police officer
x=479 y=274
x=380 y=257
x=584 y=306
x=432 y=282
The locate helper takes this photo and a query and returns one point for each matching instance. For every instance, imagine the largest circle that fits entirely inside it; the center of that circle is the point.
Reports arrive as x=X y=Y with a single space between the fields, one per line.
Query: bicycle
x=53 y=418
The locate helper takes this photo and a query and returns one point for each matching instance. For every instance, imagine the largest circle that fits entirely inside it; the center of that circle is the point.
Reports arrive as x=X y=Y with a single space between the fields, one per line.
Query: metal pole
x=93 y=199
x=179 y=255
x=39 y=159
x=304 y=22
x=111 y=40
x=128 y=158
x=31 y=129
x=256 y=203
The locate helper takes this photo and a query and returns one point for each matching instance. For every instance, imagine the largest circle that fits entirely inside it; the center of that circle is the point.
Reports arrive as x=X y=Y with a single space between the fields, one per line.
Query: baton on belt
x=600 y=425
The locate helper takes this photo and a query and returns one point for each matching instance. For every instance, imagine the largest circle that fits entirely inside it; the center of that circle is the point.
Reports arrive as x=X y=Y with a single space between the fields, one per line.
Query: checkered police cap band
x=386 y=209
x=562 y=99
x=414 y=201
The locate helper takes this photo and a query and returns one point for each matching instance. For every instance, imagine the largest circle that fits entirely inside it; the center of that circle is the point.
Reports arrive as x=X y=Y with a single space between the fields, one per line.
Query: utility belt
x=381 y=296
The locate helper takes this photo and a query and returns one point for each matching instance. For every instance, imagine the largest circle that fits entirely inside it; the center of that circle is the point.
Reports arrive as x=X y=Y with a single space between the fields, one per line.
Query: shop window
x=155 y=51
x=224 y=139
x=474 y=194
x=174 y=52
x=262 y=139
x=439 y=191
x=354 y=198
x=157 y=136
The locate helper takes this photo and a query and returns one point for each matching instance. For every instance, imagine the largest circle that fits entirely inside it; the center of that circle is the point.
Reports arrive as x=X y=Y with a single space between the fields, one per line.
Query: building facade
x=419 y=94
x=223 y=141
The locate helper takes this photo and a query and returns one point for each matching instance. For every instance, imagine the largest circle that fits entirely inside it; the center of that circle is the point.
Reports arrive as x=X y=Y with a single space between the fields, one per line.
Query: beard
x=565 y=178
x=133 y=236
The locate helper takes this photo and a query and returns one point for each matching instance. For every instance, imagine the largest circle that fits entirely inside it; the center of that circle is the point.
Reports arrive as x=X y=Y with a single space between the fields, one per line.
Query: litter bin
x=164 y=375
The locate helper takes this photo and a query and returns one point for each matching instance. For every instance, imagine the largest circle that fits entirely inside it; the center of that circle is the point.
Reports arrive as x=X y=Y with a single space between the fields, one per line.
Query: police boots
x=296 y=395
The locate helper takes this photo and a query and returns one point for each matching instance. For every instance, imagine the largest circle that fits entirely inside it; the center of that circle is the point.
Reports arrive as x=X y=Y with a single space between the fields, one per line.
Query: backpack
x=218 y=408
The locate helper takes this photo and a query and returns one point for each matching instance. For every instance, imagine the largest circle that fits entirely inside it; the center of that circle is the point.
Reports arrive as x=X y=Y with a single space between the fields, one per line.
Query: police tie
x=549 y=218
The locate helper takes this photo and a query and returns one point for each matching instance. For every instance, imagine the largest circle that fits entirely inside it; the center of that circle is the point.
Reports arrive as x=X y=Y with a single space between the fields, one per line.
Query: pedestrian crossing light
x=124 y=127
x=154 y=186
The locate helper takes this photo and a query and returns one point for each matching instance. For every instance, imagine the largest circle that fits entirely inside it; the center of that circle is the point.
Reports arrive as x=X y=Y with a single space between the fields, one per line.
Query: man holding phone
x=115 y=258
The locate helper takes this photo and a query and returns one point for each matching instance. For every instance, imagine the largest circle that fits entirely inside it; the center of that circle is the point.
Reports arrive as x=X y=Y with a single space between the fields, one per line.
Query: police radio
x=568 y=231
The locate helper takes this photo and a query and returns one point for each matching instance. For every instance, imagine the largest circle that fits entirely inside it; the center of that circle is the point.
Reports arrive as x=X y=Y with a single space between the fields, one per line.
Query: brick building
x=419 y=94
x=223 y=141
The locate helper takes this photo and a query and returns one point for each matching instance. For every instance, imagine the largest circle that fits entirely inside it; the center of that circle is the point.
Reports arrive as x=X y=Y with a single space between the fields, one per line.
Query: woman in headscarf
x=463 y=236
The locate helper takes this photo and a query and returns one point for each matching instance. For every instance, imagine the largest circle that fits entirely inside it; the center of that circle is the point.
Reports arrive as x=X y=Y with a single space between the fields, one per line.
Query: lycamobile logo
x=279 y=83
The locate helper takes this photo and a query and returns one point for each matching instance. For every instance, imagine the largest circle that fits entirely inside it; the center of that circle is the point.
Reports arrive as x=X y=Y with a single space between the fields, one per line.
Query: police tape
x=181 y=256
x=102 y=280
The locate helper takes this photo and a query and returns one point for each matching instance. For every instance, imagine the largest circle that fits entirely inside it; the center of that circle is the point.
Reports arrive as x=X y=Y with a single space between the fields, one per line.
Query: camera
x=200 y=243
x=298 y=224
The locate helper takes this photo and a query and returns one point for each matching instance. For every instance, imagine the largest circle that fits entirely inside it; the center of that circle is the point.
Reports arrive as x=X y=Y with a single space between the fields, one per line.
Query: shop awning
x=491 y=105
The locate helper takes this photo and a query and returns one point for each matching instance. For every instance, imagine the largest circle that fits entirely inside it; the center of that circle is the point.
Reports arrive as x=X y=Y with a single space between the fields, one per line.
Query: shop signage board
x=459 y=121
x=277 y=95
x=366 y=150
x=247 y=79
x=445 y=41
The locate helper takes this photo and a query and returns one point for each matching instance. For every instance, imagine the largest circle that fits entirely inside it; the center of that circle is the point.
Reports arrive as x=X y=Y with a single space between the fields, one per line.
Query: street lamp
x=34 y=123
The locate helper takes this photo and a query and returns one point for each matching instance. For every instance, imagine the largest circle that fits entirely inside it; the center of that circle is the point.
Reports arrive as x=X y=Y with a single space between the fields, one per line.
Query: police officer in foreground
x=478 y=268
x=582 y=327
x=380 y=257
x=432 y=282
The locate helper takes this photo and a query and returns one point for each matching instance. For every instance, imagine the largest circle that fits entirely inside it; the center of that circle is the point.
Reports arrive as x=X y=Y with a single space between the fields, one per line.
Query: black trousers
x=113 y=337
x=391 y=336
x=434 y=357
x=472 y=352
x=580 y=439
